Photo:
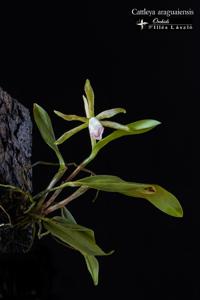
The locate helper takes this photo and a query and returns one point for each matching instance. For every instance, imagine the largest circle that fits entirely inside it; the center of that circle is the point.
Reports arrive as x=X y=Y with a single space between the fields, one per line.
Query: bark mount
x=15 y=169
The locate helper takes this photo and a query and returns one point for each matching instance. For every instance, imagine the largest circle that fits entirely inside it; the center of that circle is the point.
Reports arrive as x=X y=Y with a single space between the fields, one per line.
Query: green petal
x=86 y=107
x=70 y=117
x=44 y=125
x=70 y=133
x=110 y=113
x=157 y=195
x=115 y=125
x=90 y=97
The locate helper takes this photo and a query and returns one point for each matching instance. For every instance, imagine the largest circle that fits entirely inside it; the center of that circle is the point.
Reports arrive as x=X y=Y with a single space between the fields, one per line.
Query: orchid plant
x=62 y=225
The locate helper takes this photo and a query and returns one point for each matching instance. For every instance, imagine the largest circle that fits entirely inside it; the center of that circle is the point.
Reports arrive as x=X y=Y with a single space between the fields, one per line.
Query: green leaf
x=44 y=125
x=70 y=117
x=137 y=127
x=155 y=194
x=93 y=267
x=76 y=236
x=142 y=126
x=65 y=213
x=110 y=113
x=109 y=183
x=90 y=97
x=91 y=261
x=70 y=133
x=165 y=201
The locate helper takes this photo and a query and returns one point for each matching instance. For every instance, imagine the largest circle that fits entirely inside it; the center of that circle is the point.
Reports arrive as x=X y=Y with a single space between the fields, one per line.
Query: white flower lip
x=95 y=128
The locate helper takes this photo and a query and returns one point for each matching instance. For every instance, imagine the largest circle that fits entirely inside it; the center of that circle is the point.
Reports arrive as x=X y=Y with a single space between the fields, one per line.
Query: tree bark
x=15 y=169
x=15 y=143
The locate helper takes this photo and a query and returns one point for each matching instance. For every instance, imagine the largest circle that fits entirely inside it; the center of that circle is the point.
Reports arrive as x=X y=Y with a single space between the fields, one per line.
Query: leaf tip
x=180 y=212
x=157 y=122
x=35 y=105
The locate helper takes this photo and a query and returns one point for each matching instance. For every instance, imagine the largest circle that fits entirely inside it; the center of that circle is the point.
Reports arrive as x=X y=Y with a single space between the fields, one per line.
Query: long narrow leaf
x=155 y=194
x=44 y=125
x=76 y=236
x=91 y=261
x=93 y=267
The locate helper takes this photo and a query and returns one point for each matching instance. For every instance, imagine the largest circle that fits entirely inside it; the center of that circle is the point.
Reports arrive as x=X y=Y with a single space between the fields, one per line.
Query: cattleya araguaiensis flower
x=96 y=123
x=62 y=225
x=96 y=129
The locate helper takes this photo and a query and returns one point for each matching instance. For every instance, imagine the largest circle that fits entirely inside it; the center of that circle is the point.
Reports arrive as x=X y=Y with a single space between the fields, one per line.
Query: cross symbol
x=142 y=23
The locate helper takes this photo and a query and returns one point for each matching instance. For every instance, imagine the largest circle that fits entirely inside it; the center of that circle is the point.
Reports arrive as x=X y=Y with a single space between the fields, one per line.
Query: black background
x=46 y=53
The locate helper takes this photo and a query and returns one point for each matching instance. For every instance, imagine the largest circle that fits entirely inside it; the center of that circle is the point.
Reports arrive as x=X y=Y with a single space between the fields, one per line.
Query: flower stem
x=64 y=202
x=78 y=169
x=55 y=179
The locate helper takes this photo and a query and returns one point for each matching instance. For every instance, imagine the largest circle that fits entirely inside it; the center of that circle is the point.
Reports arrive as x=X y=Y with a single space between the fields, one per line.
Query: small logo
x=165 y=20
x=141 y=23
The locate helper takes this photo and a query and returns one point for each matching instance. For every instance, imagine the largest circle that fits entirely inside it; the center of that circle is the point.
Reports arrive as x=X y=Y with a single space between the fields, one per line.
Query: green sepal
x=110 y=113
x=70 y=133
x=70 y=117
x=115 y=125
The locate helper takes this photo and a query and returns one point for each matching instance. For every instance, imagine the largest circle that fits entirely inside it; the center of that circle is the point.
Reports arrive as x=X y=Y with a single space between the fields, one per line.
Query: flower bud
x=95 y=128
